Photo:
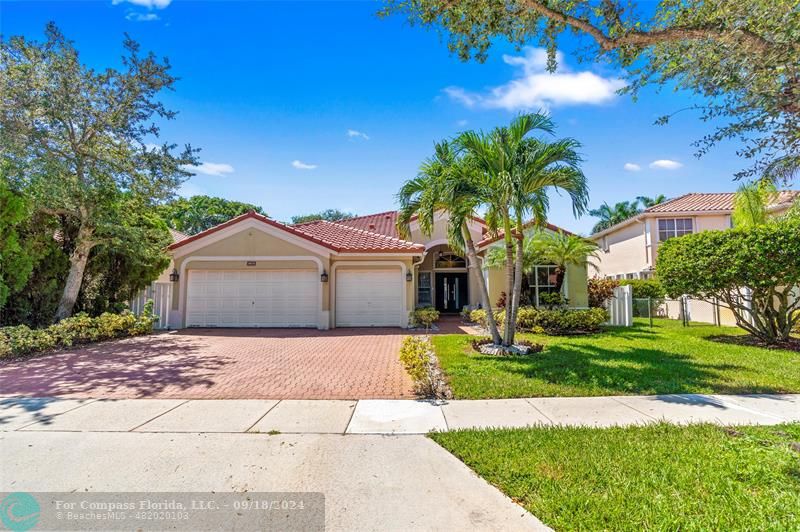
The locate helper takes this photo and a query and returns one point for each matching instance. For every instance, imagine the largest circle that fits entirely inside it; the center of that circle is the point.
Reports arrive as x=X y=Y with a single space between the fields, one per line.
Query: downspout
x=414 y=266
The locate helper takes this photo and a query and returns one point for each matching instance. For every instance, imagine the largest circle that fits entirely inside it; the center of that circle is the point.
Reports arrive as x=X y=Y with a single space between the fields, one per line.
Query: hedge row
x=550 y=321
x=79 y=329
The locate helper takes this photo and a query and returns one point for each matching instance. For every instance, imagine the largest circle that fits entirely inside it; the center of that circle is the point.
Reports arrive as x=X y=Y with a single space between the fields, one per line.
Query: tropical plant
x=330 y=215
x=446 y=182
x=648 y=202
x=550 y=247
x=198 y=213
x=518 y=171
x=610 y=216
x=741 y=58
x=77 y=140
x=600 y=291
x=751 y=202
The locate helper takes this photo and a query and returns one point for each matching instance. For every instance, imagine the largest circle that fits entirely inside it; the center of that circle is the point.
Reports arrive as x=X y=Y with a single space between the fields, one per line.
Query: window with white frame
x=541 y=280
x=672 y=227
x=424 y=294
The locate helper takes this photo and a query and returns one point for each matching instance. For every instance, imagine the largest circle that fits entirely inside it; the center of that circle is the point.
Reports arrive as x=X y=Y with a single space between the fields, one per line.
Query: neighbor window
x=424 y=298
x=672 y=227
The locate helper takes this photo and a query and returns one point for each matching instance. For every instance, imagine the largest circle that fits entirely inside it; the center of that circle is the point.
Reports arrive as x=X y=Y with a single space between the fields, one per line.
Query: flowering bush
x=78 y=329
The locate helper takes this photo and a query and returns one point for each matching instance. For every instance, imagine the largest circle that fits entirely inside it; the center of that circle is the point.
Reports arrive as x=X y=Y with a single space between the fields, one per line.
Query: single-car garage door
x=369 y=298
x=240 y=298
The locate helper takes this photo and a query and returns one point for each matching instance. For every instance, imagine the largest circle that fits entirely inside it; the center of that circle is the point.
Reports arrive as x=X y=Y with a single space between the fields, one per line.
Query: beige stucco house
x=253 y=271
x=629 y=249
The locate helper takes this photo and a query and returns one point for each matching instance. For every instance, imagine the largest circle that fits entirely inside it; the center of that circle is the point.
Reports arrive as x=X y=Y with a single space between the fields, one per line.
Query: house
x=253 y=271
x=629 y=249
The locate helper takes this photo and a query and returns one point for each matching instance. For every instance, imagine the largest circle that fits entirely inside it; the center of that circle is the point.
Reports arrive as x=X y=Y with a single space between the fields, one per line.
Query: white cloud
x=142 y=17
x=209 y=168
x=632 y=167
x=354 y=133
x=535 y=88
x=665 y=164
x=300 y=165
x=462 y=123
x=149 y=4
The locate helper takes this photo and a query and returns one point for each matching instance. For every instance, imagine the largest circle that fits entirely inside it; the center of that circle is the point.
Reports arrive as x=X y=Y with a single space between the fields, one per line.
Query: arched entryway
x=443 y=281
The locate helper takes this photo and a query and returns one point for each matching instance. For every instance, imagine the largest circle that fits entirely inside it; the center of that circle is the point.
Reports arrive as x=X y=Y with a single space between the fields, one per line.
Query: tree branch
x=643 y=39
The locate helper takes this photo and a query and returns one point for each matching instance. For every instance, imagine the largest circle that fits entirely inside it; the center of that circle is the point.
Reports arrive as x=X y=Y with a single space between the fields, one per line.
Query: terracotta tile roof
x=331 y=235
x=176 y=235
x=352 y=239
x=384 y=223
x=720 y=201
x=492 y=239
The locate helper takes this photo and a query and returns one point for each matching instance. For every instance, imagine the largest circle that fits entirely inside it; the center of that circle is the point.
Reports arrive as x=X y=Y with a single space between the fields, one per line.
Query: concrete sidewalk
x=383 y=416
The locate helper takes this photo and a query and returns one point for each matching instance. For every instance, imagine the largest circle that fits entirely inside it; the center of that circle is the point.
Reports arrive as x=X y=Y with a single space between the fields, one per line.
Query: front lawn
x=668 y=358
x=656 y=477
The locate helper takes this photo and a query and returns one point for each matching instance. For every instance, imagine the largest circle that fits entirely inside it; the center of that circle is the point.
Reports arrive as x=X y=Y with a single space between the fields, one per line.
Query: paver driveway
x=222 y=364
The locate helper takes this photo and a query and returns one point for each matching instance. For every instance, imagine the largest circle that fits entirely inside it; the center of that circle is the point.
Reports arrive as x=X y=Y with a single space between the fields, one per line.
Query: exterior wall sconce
x=409 y=277
x=324 y=277
x=174 y=276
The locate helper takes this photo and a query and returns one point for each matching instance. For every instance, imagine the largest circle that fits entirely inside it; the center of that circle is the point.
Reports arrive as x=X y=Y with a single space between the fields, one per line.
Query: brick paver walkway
x=222 y=364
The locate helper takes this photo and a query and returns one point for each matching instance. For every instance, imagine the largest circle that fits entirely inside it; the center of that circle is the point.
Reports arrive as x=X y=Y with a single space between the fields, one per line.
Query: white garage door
x=369 y=298
x=238 y=298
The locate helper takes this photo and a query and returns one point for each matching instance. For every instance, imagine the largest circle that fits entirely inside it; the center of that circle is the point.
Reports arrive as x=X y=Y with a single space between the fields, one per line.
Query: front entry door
x=451 y=291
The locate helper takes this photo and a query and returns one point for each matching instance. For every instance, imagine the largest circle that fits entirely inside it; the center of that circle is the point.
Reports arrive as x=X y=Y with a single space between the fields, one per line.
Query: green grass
x=656 y=477
x=668 y=358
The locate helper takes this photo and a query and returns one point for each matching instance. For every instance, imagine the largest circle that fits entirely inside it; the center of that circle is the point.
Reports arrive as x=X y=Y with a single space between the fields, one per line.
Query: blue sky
x=303 y=106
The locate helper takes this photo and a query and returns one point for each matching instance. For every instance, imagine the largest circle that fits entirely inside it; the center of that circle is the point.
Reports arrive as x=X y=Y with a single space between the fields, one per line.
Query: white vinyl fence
x=161 y=294
x=620 y=307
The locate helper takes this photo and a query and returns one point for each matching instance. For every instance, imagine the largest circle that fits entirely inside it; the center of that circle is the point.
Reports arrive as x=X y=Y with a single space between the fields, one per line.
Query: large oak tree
x=79 y=141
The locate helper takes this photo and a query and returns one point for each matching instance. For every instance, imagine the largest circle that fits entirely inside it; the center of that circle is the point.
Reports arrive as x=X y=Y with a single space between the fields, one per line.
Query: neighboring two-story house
x=629 y=250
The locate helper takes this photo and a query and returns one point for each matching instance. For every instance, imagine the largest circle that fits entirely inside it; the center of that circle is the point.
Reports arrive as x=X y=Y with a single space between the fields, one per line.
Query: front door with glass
x=451 y=291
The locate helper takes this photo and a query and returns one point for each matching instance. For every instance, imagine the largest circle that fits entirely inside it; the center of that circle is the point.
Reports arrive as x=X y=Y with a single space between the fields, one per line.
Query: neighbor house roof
x=695 y=203
x=334 y=236
x=715 y=202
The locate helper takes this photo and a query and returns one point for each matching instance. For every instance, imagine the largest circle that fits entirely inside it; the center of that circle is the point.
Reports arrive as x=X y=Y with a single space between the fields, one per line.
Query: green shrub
x=478 y=316
x=415 y=354
x=571 y=321
x=424 y=317
x=79 y=329
x=645 y=288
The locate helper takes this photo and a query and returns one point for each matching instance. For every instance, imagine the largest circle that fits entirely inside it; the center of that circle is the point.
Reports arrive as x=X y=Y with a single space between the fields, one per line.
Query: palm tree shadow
x=624 y=370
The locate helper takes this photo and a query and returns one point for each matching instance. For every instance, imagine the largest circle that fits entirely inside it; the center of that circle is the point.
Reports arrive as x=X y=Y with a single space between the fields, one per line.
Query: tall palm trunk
x=474 y=267
x=508 y=333
x=77 y=266
x=518 y=265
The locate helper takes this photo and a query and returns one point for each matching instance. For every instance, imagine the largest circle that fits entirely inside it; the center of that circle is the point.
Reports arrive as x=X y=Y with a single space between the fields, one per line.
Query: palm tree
x=564 y=250
x=448 y=183
x=648 y=202
x=613 y=215
x=544 y=247
x=518 y=171
x=751 y=202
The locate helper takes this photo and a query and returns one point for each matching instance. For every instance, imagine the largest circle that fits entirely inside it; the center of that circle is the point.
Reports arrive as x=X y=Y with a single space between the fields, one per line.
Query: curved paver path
x=222 y=364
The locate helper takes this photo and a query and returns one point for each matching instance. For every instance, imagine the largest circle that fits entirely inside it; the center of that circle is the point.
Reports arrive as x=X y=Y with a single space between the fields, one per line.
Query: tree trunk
x=474 y=267
x=508 y=333
x=77 y=261
x=561 y=272
x=518 y=264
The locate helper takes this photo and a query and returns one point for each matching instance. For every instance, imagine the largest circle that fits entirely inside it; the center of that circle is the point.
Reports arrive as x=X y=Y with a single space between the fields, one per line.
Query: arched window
x=446 y=259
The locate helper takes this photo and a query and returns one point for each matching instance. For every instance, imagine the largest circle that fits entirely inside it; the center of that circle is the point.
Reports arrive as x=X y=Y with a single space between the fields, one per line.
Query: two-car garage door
x=241 y=298
x=369 y=298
